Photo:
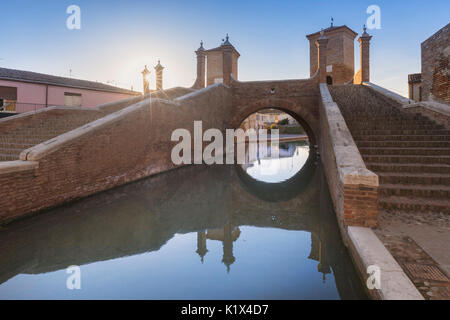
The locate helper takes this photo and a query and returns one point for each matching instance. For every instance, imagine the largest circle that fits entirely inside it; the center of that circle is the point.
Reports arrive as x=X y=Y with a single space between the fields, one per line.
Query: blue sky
x=118 y=37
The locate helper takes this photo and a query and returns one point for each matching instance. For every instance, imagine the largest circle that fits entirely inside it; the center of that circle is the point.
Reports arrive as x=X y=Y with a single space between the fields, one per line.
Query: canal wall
x=124 y=146
x=353 y=188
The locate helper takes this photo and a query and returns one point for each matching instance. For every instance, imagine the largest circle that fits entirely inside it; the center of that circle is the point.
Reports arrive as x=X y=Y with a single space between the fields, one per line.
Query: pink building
x=23 y=91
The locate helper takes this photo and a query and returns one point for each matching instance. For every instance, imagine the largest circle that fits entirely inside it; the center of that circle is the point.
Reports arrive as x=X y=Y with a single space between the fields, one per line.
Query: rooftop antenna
x=70 y=73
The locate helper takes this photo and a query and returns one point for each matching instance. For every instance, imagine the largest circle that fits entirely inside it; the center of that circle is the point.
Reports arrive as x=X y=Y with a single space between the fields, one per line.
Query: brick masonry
x=435 y=66
x=353 y=188
x=128 y=147
x=134 y=142
x=339 y=53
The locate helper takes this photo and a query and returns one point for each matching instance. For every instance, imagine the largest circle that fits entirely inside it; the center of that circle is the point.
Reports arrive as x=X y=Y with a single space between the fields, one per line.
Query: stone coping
x=367 y=250
x=312 y=78
x=431 y=105
x=45 y=148
x=199 y=92
x=394 y=96
x=41 y=150
x=351 y=167
x=32 y=113
x=406 y=103
x=17 y=166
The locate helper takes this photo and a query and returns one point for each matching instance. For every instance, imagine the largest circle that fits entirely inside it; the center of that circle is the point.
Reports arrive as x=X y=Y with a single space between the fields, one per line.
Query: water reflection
x=289 y=159
x=198 y=232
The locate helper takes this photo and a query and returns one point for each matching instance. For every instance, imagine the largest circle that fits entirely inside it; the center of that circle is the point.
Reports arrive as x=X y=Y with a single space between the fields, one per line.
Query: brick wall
x=340 y=55
x=435 y=68
x=299 y=98
x=127 y=145
x=353 y=188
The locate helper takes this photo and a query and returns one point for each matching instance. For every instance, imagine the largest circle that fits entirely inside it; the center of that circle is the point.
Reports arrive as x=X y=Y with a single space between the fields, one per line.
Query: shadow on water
x=211 y=203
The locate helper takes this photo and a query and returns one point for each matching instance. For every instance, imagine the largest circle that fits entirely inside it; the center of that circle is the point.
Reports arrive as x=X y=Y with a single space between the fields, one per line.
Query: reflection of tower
x=228 y=234
x=317 y=254
x=323 y=266
x=228 y=258
x=201 y=245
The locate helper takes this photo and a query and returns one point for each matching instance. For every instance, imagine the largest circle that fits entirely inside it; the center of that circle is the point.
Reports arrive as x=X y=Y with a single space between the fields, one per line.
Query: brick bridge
x=378 y=151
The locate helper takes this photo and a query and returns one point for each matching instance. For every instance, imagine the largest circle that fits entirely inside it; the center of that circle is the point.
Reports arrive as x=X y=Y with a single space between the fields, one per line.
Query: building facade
x=433 y=83
x=23 y=91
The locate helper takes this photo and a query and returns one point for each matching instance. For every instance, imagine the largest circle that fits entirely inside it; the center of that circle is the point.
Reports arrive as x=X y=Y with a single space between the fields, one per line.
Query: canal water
x=263 y=230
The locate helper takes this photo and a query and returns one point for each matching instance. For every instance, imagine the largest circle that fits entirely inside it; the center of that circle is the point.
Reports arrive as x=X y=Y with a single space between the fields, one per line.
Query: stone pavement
x=421 y=245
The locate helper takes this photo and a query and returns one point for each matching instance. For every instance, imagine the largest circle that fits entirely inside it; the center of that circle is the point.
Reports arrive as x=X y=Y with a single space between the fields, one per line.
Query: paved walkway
x=421 y=245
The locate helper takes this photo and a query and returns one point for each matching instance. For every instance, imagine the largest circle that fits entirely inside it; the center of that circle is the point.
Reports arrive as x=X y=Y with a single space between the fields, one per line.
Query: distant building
x=266 y=117
x=23 y=91
x=434 y=81
x=415 y=86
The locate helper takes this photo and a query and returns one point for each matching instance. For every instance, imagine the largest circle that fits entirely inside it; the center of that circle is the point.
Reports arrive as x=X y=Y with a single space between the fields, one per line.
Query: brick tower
x=146 y=80
x=221 y=62
x=340 y=54
x=159 y=76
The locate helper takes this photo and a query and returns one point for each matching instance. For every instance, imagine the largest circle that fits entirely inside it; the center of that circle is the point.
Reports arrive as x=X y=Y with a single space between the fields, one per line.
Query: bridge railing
x=354 y=188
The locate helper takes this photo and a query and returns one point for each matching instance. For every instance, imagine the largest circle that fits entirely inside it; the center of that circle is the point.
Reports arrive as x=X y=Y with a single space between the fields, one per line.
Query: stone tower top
x=159 y=67
x=340 y=55
x=221 y=62
x=201 y=46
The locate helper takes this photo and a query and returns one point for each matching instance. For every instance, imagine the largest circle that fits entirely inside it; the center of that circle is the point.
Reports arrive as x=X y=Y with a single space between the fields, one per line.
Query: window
x=329 y=80
x=72 y=99
x=8 y=98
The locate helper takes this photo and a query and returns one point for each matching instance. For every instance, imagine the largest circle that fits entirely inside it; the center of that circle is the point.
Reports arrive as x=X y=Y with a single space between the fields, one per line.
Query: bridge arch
x=304 y=115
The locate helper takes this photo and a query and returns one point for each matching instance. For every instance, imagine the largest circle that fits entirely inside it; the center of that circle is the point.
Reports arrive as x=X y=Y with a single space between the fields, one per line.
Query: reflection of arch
x=283 y=191
x=302 y=114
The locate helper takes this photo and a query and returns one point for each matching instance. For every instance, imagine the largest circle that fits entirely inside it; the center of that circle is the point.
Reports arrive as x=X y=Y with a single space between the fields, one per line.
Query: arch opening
x=329 y=80
x=275 y=161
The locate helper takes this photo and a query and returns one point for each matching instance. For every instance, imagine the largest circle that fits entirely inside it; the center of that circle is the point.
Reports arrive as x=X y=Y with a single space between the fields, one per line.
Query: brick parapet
x=354 y=188
x=124 y=146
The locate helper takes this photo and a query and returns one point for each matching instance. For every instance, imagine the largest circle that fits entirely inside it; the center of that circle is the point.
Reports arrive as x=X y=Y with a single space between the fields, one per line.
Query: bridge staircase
x=54 y=123
x=409 y=152
x=13 y=142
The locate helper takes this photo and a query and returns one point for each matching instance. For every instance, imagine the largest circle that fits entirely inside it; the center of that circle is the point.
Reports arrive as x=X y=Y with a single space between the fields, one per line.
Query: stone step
x=408 y=168
x=404 y=144
x=8 y=157
x=398 y=118
x=400 y=132
x=13 y=151
x=402 y=122
x=366 y=126
x=24 y=137
x=414 y=178
x=368 y=137
x=422 y=191
x=22 y=146
x=417 y=204
x=404 y=159
x=406 y=151
x=22 y=140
